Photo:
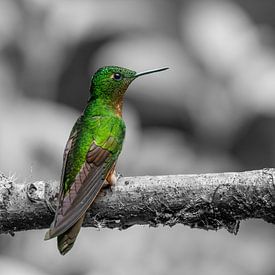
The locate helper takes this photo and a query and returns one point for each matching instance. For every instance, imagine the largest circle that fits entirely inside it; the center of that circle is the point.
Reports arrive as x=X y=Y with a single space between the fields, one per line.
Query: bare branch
x=208 y=201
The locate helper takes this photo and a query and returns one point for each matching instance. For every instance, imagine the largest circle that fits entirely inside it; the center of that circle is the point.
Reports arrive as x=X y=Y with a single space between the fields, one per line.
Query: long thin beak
x=151 y=71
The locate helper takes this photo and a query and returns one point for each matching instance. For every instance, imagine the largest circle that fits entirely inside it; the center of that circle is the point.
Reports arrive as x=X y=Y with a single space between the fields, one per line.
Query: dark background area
x=213 y=111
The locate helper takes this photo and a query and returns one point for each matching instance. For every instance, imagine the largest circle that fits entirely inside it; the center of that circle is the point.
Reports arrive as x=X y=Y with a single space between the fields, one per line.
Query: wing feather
x=83 y=191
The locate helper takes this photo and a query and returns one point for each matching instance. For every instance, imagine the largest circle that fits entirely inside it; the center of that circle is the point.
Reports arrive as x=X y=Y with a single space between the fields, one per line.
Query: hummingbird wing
x=76 y=197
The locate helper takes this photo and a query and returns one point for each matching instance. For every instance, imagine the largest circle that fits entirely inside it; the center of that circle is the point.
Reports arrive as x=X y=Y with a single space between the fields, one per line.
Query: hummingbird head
x=111 y=82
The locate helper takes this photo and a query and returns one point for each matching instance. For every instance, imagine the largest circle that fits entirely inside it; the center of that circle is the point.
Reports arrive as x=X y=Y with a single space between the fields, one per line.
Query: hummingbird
x=91 y=152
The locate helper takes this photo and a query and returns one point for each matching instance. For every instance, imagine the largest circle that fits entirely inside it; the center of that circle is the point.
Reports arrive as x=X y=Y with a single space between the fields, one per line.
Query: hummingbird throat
x=118 y=107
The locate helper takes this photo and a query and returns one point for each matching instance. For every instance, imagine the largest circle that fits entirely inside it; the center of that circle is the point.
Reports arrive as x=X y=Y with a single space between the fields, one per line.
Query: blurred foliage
x=213 y=111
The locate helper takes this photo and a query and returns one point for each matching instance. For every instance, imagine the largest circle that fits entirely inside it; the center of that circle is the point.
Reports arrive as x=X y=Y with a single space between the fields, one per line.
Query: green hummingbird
x=91 y=152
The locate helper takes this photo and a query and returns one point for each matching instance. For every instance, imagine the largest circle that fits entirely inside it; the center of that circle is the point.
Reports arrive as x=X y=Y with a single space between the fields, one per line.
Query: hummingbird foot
x=110 y=180
x=107 y=186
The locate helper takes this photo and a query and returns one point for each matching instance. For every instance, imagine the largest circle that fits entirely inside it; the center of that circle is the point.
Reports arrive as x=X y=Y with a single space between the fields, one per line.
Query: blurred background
x=213 y=111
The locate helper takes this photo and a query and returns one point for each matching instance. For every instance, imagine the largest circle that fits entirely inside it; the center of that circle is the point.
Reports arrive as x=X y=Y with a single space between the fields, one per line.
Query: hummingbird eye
x=117 y=76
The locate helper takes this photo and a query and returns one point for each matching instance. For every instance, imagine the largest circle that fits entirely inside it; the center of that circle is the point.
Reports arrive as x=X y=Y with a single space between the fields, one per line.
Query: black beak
x=151 y=71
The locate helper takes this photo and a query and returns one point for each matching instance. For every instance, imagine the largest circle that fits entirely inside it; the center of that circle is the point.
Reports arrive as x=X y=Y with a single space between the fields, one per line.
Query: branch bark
x=208 y=201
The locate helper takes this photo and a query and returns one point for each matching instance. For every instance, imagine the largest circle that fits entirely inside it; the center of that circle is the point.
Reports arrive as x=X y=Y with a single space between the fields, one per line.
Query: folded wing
x=84 y=189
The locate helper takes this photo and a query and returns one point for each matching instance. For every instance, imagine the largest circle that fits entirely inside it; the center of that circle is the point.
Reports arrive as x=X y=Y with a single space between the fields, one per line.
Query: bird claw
x=112 y=180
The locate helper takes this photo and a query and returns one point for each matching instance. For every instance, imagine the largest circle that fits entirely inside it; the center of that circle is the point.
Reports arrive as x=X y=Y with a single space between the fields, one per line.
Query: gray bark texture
x=207 y=201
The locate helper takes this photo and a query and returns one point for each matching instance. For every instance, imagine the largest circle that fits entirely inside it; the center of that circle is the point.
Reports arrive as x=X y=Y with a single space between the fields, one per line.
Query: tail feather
x=66 y=240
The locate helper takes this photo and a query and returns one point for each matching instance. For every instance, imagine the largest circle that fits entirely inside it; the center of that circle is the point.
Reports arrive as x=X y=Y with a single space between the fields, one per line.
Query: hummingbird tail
x=66 y=240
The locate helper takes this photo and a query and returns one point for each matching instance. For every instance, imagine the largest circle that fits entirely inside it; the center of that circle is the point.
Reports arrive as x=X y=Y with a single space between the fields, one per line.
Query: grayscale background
x=213 y=111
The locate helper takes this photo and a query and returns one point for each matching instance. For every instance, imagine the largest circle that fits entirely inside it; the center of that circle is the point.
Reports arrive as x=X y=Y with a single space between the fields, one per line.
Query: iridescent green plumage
x=91 y=152
x=93 y=128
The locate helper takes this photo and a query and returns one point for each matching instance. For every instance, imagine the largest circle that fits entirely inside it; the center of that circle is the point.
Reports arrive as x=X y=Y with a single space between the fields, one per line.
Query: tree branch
x=208 y=201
